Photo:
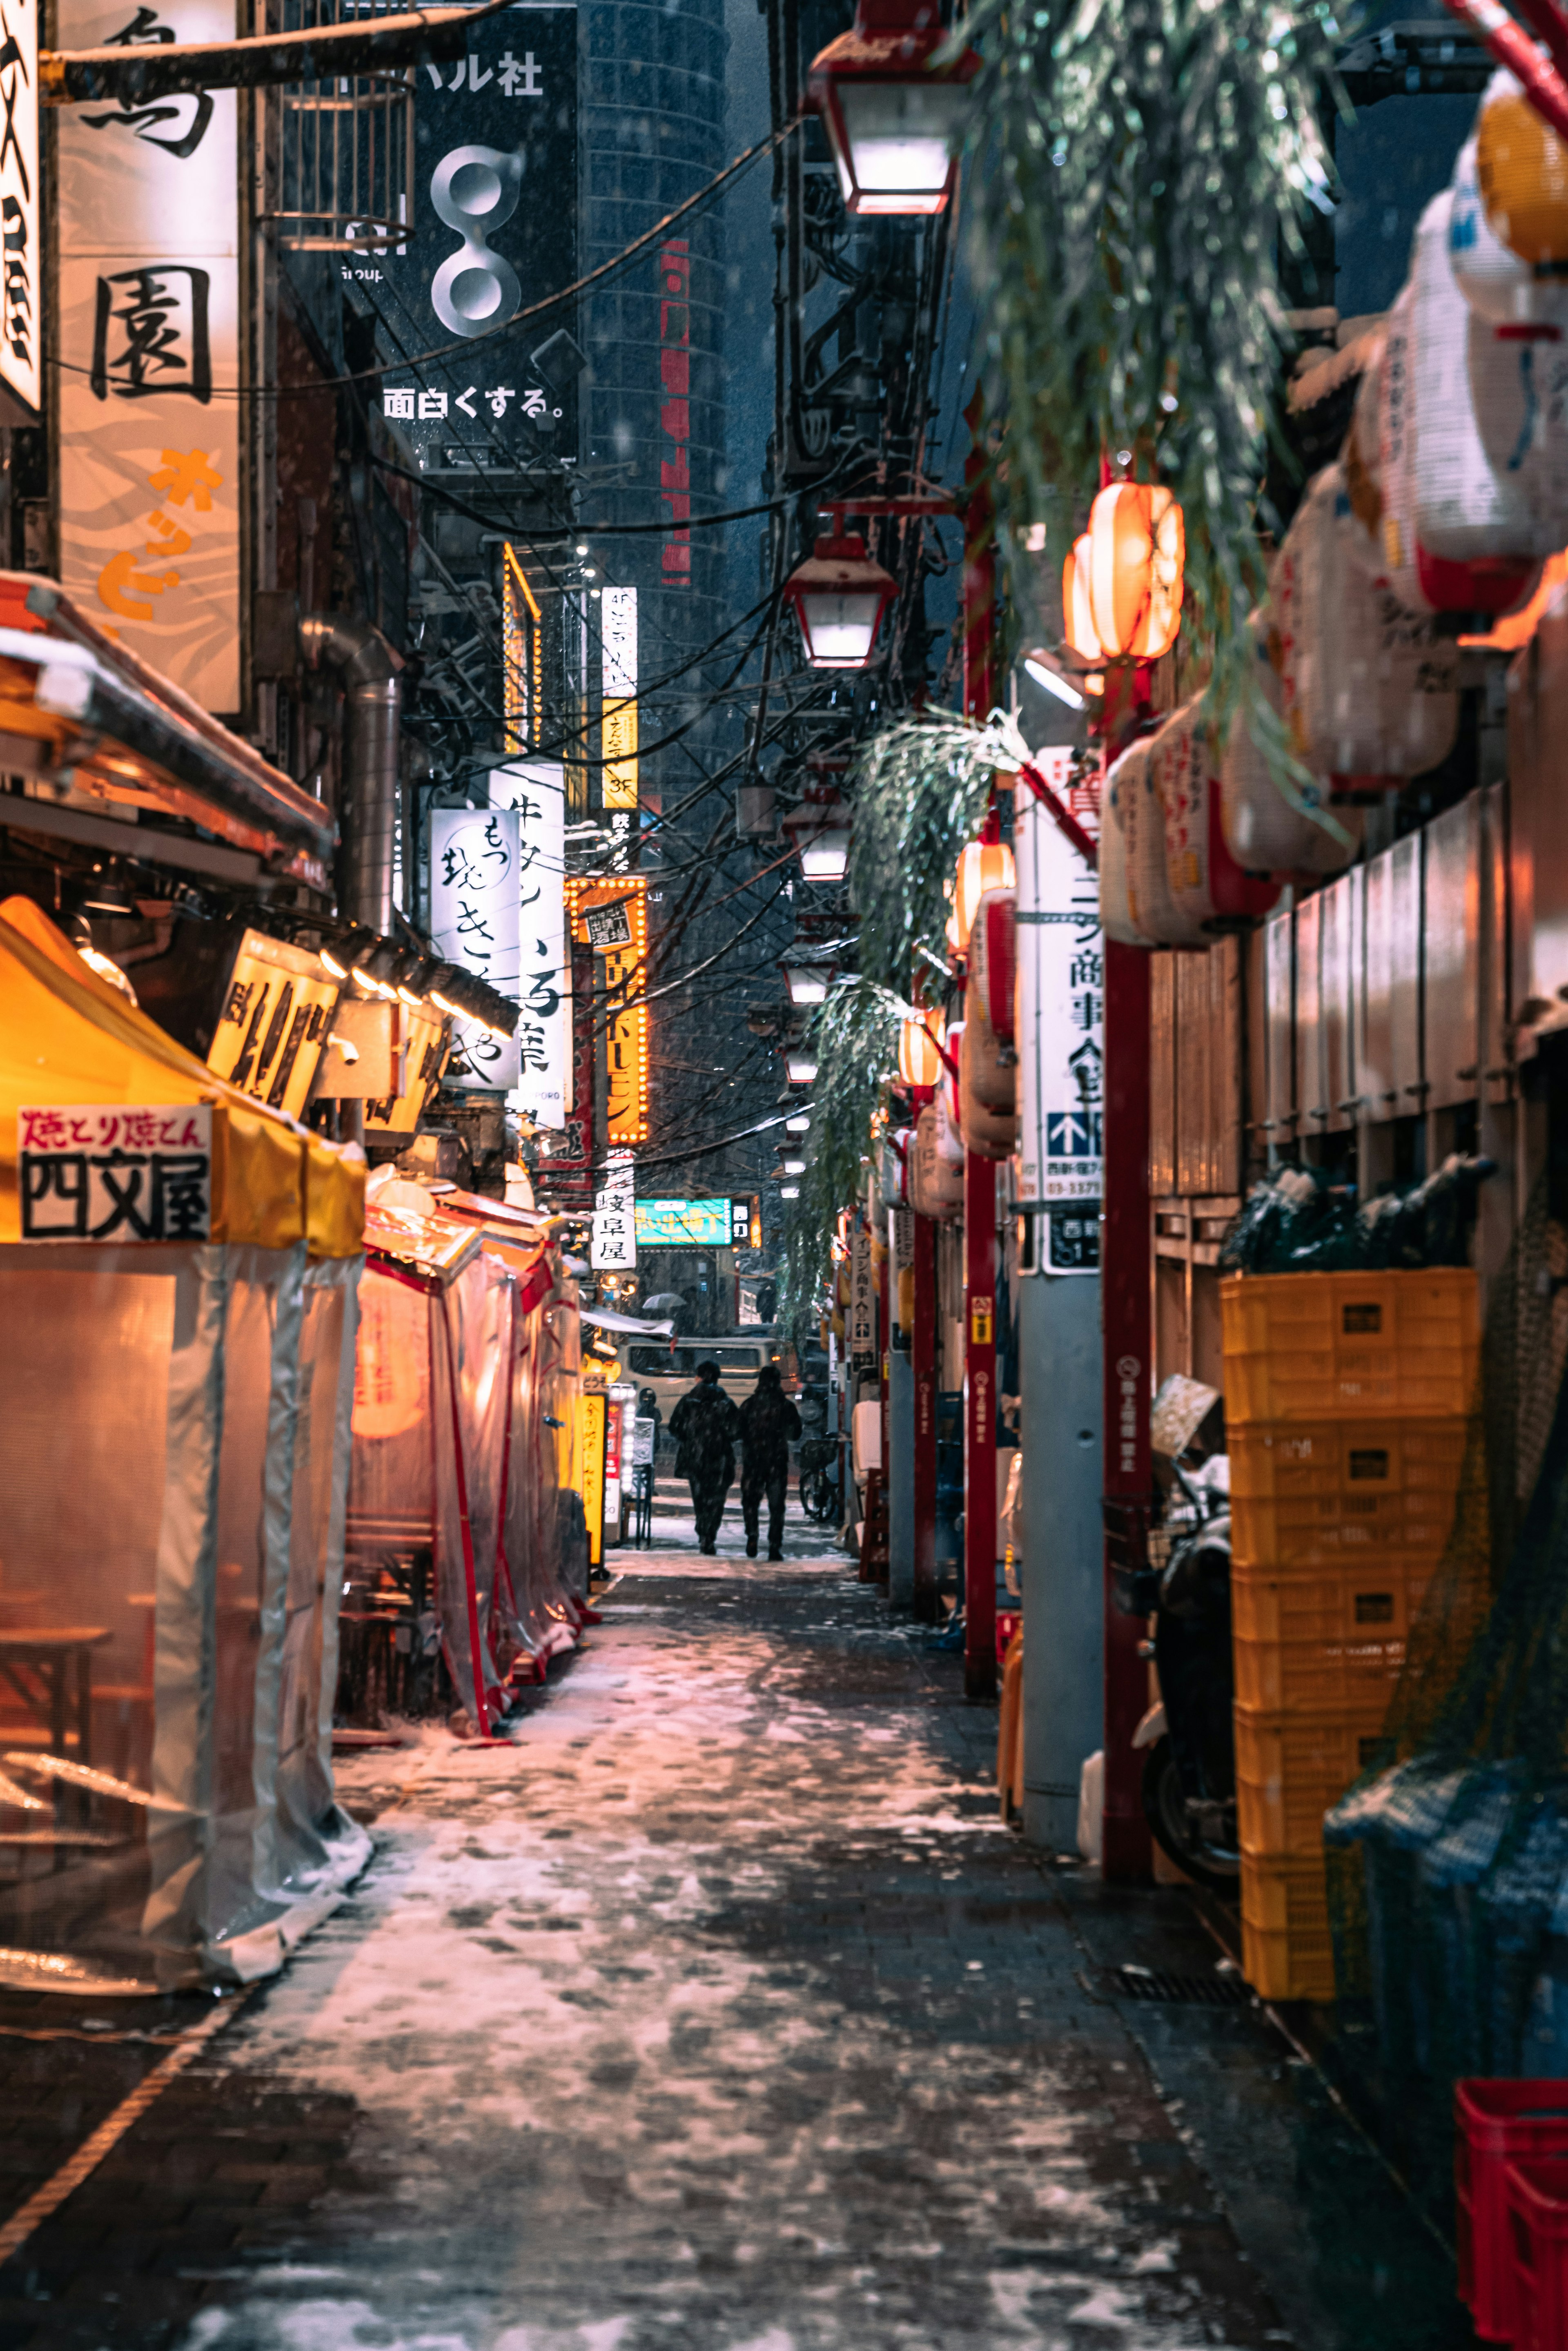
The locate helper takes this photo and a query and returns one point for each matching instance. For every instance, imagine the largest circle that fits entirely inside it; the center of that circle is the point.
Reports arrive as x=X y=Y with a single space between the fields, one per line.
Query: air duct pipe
x=368 y=668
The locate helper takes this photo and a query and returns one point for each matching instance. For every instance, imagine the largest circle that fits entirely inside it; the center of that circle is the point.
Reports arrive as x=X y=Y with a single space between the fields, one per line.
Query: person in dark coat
x=768 y=1421
x=704 y=1426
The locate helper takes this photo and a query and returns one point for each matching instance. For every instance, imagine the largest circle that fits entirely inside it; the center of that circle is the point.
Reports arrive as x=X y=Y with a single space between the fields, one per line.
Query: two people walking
x=706 y=1427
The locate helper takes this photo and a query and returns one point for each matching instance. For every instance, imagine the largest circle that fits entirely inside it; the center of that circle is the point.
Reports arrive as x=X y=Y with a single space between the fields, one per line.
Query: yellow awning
x=66 y=1036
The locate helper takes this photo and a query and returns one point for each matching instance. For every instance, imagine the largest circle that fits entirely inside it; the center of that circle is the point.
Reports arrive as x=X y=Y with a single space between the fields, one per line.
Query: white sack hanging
x=936 y=1186
x=1115 y=898
x=949 y=1138
x=1267 y=833
x=1473 y=444
x=1367 y=691
x=993 y=960
x=989 y=1127
x=1209 y=892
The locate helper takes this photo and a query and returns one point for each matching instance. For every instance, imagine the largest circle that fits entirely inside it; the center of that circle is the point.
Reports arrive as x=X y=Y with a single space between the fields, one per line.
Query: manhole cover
x=1225 y=1987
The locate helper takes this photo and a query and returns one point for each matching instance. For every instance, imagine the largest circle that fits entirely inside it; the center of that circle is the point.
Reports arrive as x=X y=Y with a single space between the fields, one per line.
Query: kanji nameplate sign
x=116 y=1173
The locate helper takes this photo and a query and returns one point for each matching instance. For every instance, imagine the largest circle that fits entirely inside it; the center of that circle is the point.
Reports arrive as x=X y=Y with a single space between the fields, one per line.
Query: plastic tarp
x=158 y=1554
x=465 y=1380
x=159 y=1401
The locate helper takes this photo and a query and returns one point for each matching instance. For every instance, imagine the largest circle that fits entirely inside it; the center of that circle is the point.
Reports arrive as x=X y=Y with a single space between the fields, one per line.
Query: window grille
x=346 y=166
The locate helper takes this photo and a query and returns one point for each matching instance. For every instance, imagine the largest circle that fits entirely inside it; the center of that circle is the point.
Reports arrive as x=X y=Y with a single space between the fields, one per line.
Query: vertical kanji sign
x=474 y=917
x=1061 y=1040
x=21 y=274
x=149 y=302
x=535 y=792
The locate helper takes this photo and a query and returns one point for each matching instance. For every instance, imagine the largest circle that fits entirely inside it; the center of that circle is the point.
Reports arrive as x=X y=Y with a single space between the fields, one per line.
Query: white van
x=670 y=1370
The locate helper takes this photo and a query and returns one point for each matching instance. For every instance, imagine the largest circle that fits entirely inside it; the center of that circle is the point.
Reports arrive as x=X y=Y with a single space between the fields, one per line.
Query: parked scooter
x=1189 y=1767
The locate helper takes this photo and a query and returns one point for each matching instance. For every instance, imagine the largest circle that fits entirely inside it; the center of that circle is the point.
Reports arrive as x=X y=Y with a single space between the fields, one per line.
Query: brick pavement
x=719 y=2012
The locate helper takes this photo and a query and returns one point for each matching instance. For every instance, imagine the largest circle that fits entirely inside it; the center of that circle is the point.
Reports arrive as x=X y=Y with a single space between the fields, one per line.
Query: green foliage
x=1134 y=173
x=920 y=790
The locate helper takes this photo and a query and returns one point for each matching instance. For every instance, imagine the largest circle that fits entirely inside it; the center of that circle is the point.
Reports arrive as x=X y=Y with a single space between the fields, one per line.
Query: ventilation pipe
x=368 y=668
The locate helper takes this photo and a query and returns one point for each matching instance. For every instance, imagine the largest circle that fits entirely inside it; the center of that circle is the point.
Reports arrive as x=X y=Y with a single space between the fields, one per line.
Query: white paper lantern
x=1367 y=690
x=1115 y=898
x=1267 y=832
x=1208 y=891
x=1472 y=444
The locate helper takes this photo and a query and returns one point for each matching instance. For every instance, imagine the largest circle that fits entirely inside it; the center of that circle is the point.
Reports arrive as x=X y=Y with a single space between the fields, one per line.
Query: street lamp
x=839 y=596
x=800 y=1068
x=893 y=118
x=808 y=983
x=819 y=832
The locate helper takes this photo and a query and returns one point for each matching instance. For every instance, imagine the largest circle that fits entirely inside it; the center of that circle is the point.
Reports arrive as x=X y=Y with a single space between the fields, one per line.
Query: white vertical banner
x=22 y=276
x=612 y=1247
x=474 y=920
x=149 y=346
x=534 y=791
x=1061 y=1036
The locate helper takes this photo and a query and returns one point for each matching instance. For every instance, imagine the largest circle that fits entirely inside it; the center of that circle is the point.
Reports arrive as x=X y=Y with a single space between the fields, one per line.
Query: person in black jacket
x=705 y=1425
x=768 y=1421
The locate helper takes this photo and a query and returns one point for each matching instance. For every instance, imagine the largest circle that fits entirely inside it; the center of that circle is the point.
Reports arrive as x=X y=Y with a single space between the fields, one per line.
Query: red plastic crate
x=1536 y=2195
x=1497 y=2124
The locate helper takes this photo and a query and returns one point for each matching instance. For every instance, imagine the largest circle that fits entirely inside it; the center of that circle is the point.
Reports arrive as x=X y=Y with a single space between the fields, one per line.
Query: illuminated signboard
x=682 y=1223
x=21 y=280
x=624 y=1010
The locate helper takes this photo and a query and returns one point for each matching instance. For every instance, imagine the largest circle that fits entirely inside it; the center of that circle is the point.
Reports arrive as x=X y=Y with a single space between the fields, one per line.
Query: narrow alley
x=712 y=2007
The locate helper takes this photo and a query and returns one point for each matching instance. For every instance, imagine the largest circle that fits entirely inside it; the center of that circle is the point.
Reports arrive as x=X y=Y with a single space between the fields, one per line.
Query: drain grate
x=1225 y=1987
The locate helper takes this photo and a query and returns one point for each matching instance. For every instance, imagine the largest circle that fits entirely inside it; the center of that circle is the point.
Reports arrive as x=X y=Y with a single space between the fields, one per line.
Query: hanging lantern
x=819 y=832
x=1077 y=610
x=893 y=120
x=1522 y=167
x=983 y=865
x=919 y=1062
x=839 y=596
x=808 y=983
x=1137 y=547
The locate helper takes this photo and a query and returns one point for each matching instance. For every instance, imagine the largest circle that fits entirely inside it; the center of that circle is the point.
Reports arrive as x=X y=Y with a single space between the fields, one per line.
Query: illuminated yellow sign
x=625 y=1016
x=276 y=1020
x=522 y=647
x=618 y=638
x=619 y=733
x=429 y=1042
x=591 y=1454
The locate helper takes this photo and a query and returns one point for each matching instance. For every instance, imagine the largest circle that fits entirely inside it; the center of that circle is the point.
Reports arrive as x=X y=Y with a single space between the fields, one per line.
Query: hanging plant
x=920 y=790
x=1134 y=173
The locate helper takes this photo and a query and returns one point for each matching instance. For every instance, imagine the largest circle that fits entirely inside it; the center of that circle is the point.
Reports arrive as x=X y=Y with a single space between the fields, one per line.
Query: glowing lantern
x=1522 y=167
x=893 y=121
x=839 y=596
x=1077 y=608
x=919 y=1062
x=1137 y=545
x=984 y=865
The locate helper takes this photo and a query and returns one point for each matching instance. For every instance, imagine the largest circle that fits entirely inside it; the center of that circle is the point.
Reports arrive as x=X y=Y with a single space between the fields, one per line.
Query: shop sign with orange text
x=148 y=356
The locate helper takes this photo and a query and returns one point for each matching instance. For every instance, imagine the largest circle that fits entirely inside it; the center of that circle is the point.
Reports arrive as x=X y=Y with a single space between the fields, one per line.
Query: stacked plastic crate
x=1346 y=1397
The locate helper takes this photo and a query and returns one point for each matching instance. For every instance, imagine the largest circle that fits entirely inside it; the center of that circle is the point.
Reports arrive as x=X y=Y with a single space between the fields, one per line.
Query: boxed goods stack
x=1346 y=1398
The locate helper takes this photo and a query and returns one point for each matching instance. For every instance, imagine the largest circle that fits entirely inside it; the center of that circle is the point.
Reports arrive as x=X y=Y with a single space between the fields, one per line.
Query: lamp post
x=894 y=119
x=839 y=596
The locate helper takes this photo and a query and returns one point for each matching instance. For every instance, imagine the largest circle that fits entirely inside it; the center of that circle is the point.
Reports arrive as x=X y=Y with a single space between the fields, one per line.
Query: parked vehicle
x=671 y=1369
x=1190 y=1767
x=821 y=1497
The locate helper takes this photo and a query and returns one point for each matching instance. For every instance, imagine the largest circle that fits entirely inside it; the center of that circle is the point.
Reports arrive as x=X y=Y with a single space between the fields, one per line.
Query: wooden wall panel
x=1161 y=1076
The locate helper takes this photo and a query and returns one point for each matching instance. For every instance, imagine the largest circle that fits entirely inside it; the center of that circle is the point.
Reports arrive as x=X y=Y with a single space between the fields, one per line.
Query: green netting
x=1448 y=1859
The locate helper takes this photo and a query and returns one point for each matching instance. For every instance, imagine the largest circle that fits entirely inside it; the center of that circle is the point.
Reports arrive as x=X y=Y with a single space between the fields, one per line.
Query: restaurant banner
x=534 y=791
x=1062 y=1037
x=474 y=918
x=148 y=356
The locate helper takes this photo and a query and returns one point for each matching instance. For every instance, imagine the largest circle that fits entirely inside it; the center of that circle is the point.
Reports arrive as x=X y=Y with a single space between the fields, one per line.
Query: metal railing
x=346 y=165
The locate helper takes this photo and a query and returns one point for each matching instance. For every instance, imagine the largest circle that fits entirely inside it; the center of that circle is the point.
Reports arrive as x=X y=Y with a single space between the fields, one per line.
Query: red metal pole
x=923 y=1363
x=979 y=1175
x=979 y=1426
x=1126 y=1322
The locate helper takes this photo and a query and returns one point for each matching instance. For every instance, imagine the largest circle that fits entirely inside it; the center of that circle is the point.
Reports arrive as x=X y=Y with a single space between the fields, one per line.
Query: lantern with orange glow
x=919 y=1062
x=983 y=865
x=1138 y=549
x=1077 y=608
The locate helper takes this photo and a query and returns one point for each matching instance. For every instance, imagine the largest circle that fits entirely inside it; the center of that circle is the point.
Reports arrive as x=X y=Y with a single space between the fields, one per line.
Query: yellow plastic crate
x=1327 y=1493
x=1294 y=1767
x=1376 y=1600
x=1326 y=1346
x=1273 y=1677
x=1287 y=1950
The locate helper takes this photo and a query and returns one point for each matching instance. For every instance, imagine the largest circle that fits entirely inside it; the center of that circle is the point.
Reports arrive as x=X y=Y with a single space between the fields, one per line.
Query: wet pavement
x=717 y=2009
